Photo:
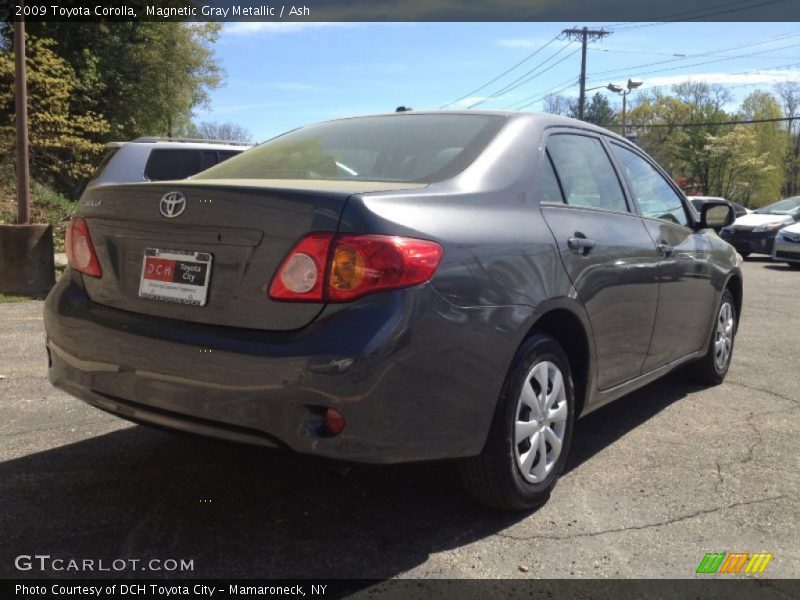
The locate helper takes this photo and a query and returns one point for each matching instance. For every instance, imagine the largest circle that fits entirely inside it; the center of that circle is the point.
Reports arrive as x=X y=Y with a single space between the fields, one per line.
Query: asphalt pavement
x=654 y=481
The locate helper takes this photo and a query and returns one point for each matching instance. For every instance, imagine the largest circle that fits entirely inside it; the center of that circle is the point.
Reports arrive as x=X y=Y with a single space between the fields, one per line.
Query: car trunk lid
x=244 y=228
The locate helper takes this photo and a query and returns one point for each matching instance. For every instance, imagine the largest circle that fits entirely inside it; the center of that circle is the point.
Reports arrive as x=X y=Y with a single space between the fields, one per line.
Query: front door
x=686 y=292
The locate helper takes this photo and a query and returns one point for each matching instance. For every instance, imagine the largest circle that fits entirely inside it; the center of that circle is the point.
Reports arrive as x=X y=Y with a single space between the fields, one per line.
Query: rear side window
x=397 y=148
x=173 y=164
x=585 y=172
x=655 y=196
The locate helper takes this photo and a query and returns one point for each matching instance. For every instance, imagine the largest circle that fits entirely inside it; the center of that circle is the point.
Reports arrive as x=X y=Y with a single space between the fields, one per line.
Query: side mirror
x=716 y=215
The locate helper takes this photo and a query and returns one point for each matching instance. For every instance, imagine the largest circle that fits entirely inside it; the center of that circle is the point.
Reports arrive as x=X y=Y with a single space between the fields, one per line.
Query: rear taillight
x=80 y=250
x=323 y=267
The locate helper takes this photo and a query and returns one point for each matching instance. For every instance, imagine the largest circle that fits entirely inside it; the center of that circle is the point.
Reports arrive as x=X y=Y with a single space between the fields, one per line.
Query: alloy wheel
x=723 y=340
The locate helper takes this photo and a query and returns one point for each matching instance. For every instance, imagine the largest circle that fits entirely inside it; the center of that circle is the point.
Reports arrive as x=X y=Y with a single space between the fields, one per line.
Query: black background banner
x=578 y=11
x=740 y=588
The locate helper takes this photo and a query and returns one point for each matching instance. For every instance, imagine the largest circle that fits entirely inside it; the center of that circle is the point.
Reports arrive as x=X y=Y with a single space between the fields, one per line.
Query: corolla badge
x=172 y=204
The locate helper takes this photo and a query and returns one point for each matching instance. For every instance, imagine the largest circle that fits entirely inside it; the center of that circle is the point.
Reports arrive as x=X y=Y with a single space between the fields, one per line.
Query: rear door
x=606 y=250
x=686 y=292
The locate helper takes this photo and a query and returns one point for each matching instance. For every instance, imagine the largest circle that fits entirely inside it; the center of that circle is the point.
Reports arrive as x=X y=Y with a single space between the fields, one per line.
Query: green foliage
x=599 y=112
x=64 y=143
x=142 y=77
x=90 y=83
x=47 y=205
x=738 y=167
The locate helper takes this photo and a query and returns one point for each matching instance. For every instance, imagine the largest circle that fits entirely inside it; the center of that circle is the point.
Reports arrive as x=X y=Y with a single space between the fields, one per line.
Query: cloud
x=766 y=76
x=245 y=28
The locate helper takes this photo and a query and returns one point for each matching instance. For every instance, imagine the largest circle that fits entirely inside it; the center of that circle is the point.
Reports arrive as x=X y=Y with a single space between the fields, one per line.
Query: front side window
x=655 y=196
x=586 y=173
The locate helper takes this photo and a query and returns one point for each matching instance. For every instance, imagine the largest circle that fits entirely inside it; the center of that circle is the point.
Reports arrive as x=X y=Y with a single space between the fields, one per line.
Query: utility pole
x=585 y=35
x=21 y=101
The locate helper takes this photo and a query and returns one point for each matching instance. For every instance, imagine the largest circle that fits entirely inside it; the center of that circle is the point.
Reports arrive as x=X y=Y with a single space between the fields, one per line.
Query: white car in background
x=787 y=246
x=161 y=159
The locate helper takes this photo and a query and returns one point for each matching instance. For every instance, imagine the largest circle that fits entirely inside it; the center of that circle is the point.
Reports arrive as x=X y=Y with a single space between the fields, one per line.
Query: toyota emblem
x=172 y=204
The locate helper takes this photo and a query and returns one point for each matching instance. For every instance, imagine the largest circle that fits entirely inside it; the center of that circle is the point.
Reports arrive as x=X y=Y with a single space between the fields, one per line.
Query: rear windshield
x=399 y=148
x=179 y=163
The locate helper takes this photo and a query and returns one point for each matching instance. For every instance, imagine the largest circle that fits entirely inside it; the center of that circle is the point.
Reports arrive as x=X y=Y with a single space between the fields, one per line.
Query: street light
x=624 y=91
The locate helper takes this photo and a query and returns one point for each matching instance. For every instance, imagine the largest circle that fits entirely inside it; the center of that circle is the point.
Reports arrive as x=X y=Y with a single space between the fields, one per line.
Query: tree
x=142 y=77
x=599 y=112
x=736 y=164
x=556 y=104
x=771 y=142
x=64 y=142
x=211 y=130
x=789 y=93
x=675 y=128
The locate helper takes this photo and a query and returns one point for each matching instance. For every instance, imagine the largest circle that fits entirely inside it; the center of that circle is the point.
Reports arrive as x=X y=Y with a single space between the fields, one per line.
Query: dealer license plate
x=175 y=276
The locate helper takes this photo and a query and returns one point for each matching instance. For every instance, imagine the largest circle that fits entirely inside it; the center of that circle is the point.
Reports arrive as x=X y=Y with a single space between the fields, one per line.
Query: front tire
x=531 y=431
x=713 y=367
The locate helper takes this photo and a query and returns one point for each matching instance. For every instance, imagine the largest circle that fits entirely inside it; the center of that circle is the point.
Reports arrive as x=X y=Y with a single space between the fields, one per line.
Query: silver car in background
x=787 y=246
x=161 y=159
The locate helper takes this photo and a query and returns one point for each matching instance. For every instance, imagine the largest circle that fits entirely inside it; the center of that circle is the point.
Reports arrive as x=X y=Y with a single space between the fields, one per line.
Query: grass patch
x=12 y=298
x=47 y=205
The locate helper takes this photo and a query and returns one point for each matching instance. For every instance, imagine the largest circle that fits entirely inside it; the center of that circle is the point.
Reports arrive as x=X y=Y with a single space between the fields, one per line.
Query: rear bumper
x=415 y=377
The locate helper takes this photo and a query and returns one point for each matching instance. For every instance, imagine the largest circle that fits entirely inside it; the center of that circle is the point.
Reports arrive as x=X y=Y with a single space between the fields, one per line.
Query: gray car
x=404 y=287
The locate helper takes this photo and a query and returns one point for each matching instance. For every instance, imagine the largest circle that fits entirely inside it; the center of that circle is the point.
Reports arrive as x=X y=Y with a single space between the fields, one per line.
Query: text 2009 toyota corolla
x=401 y=287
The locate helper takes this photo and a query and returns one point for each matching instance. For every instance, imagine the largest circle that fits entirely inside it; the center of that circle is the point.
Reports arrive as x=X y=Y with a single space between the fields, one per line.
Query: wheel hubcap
x=541 y=420
x=723 y=339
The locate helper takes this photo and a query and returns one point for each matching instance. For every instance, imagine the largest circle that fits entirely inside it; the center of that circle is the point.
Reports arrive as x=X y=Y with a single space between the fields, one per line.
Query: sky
x=284 y=75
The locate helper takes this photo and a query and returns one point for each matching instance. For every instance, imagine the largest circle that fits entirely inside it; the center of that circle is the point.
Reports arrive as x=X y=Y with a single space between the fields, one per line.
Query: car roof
x=543 y=120
x=183 y=143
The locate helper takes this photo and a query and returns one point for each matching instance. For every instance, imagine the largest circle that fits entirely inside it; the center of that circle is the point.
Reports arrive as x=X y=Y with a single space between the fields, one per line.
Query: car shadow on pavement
x=239 y=511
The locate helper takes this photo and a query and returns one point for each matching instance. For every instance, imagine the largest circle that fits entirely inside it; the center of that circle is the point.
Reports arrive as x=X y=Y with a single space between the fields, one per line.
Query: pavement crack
x=692 y=515
x=757 y=389
x=720 y=478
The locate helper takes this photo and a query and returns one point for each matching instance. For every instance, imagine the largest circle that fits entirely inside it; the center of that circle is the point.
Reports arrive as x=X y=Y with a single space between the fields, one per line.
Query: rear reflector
x=324 y=268
x=333 y=422
x=80 y=250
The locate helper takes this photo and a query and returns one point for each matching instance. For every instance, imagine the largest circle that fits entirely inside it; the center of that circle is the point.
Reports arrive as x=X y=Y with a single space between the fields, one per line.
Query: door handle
x=665 y=249
x=580 y=245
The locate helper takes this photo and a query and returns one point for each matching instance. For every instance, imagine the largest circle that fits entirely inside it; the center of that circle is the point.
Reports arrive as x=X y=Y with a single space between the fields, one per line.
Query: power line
x=539 y=96
x=510 y=87
x=709 y=53
x=708 y=124
x=689 y=16
x=503 y=74
x=707 y=62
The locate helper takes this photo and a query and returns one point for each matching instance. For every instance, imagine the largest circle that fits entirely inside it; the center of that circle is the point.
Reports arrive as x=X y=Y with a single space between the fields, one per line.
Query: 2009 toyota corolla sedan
x=405 y=287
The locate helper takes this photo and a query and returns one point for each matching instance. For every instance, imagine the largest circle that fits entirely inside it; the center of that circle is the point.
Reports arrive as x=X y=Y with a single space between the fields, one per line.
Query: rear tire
x=530 y=435
x=713 y=367
x=793 y=265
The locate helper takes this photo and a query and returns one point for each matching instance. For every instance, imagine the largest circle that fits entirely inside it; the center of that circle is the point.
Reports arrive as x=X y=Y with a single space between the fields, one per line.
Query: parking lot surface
x=654 y=481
